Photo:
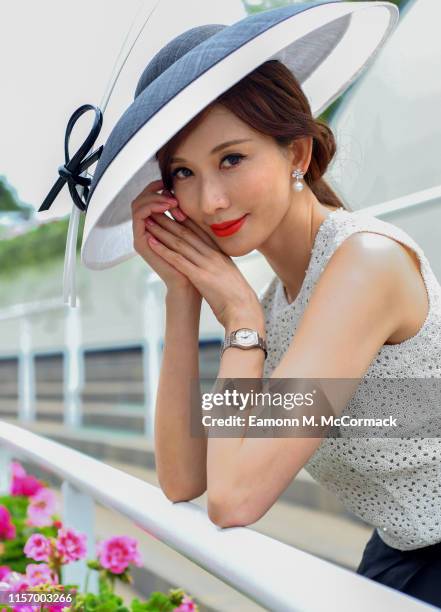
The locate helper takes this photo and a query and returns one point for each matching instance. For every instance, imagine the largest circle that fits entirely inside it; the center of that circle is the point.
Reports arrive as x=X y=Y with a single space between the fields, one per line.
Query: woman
x=346 y=328
x=353 y=297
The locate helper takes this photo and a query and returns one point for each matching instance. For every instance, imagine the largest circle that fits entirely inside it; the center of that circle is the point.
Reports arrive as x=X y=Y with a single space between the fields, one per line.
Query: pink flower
x=117 y=553
x=7 y=528
x=186 y=605
x=38 y=547
x=22 y=484
x=40 y=573
x=41 y=508
x=71 y=545
x=4 y=571
x=18 y=582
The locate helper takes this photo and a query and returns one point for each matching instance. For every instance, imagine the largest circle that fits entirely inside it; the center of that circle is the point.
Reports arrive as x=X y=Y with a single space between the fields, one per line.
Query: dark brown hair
x=271 y=101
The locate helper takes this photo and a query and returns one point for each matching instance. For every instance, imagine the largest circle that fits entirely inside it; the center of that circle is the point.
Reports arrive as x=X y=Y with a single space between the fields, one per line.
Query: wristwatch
x=244 y=338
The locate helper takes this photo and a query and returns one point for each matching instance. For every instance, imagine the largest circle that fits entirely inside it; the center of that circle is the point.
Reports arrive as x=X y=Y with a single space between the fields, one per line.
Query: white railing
x=274 y=575
x=73 y=354
x=426 y=197
x=73 y=374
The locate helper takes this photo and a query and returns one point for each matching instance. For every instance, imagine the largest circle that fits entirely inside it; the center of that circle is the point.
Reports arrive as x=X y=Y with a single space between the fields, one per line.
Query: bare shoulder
x=398 y=267
x=364 y=298
x=375 y=248
x=367 y=256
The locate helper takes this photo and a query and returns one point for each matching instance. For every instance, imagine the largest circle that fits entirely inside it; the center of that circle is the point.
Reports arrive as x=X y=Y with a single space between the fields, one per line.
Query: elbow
x=224 y=511
x=175 y=494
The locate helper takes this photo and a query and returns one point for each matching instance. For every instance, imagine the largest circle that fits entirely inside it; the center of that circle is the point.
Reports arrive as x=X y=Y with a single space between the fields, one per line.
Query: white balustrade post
x=79 y=514
x=26 y=373
x=5 y=470
x=153 y=331
x=74 y=366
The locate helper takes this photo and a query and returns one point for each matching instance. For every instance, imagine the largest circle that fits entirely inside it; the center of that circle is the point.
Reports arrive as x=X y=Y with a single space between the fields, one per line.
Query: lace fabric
x=393 y=484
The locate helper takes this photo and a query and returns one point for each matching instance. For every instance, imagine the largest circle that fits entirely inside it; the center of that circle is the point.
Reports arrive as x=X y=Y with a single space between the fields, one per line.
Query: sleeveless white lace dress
x=394 y=484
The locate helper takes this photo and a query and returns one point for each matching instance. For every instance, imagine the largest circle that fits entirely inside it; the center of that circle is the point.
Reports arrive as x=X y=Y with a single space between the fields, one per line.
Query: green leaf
x=158 y=602
x=94 y=564
x=125 y=577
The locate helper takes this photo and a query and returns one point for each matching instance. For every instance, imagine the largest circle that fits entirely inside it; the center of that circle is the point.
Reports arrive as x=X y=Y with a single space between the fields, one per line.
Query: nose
x=213 y=199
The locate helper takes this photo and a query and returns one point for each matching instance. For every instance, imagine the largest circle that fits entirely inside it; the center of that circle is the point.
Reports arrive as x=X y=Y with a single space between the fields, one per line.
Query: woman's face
x=217 y=183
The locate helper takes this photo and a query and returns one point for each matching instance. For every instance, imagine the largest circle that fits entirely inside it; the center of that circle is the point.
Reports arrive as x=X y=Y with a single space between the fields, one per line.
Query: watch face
x=246 y=337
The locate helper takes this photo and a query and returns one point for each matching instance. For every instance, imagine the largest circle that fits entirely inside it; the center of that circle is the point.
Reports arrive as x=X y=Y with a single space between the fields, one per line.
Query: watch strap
x=261 y=343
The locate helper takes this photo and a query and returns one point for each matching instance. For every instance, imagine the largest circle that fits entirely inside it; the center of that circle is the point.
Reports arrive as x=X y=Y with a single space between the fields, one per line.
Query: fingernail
x=150 y=221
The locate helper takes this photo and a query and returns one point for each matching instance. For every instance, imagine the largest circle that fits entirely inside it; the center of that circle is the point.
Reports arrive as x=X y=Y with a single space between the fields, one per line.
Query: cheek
x=267 y=196
x=185 y=201
x=253 y=190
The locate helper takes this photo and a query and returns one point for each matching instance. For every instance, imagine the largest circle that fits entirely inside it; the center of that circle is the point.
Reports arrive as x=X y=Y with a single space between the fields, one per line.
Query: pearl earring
x=297 y=174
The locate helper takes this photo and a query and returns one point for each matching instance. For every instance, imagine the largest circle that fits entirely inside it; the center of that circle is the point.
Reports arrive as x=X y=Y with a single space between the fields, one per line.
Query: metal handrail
x=271 y=573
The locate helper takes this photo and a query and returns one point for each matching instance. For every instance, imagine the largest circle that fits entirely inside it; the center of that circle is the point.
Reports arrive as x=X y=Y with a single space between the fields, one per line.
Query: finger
x=145 y=209
x=149 y=198
x=202 y=234
x=187 y=243
x=185 y=232
x=153 y=189
x=177 y=260
x=139 y=216
x=194 y=226
x=148 y=238
x=182 y=229
x=188 y=222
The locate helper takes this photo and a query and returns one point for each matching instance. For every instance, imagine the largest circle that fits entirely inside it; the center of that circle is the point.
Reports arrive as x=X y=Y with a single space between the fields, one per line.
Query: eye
x=234 y=156
x=237 y=156
x=176 y=170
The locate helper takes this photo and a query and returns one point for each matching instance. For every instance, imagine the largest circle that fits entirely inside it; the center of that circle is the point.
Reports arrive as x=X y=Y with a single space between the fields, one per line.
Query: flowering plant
x=35 y=545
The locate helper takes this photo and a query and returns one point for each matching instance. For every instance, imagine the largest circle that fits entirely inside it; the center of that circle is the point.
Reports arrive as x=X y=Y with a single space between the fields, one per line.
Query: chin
x=237 y=251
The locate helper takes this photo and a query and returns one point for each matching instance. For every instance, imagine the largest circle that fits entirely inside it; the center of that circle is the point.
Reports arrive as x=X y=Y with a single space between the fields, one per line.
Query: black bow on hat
x=72 y=169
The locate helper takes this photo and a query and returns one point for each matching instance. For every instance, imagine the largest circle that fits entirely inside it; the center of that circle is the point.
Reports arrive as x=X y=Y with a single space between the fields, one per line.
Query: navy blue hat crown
x=174 y=50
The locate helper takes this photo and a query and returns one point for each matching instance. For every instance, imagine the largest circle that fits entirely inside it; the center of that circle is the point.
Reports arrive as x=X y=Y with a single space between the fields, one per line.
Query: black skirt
x=414 y=572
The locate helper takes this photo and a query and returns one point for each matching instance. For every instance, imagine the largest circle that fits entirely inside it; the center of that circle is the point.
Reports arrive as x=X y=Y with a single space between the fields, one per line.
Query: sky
x=56 y=55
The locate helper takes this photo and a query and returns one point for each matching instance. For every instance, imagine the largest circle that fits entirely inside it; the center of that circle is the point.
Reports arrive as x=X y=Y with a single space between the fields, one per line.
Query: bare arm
x=180 y=459
x=341 y=331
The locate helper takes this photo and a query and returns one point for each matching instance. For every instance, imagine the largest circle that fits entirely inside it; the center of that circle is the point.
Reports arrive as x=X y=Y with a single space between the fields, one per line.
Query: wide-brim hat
x=326 y=45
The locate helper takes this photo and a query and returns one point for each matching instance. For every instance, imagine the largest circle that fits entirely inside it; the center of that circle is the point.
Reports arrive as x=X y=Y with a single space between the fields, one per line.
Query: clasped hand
x=210 y=270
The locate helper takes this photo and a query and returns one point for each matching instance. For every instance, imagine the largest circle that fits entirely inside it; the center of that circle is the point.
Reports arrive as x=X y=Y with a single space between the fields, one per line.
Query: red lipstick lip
x=221 y=226
x=232 y=228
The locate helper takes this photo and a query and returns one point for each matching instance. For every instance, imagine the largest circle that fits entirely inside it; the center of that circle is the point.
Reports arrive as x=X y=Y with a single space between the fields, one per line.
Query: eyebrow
x=217 y=148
